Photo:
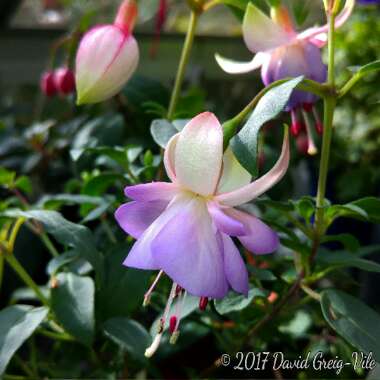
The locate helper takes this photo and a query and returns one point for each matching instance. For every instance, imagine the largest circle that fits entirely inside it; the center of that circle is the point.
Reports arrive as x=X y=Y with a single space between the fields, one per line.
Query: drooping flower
x=64 y=80
x=184 y=228
x=282 y=52
x=107 y=57
x=47 y=84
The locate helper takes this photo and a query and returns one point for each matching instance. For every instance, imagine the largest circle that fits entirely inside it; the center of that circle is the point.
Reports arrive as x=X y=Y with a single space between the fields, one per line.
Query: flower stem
x=185 y=55
x=49 y=245
x=329 y=108
x=18 y=268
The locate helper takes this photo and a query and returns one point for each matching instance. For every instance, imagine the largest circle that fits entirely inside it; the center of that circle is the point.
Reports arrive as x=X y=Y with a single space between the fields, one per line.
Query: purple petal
x=186 y=249
x=153 y=191
x=140 y=256
x=224 y=222
x=302 y=58
x=135 y=217
x=261 y=239
x=234 y=266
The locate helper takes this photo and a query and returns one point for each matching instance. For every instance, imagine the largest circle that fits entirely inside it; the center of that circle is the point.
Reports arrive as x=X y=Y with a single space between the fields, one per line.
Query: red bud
x=47 y=84
x=64 y=80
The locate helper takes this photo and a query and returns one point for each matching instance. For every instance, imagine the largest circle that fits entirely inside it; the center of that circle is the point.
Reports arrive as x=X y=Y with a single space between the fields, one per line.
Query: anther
x=203 y=301
x=172 y=324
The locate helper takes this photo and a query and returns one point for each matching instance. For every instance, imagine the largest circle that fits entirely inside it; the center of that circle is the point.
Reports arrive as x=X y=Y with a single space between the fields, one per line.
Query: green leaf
x=262 y=274
x=122 y=289
x=162 y=131
x=349 y=241
x=245 y=143
x=237 y=302
x=346 y=259
x=239 y=4
x=57 y=263
x=23 y=183
x=129 y=335
x=366 y=69
x=73 y=303
x=67 y=233
x=371 y=206
x=348 y=210
x=7 y=177
x=17 y=324
x=353 y=320
x=305 y=207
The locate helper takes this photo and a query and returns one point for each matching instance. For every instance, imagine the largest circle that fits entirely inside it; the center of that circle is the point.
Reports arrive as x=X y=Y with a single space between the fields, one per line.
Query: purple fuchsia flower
x=107 y=57
x=283 y=52
x=185 y=228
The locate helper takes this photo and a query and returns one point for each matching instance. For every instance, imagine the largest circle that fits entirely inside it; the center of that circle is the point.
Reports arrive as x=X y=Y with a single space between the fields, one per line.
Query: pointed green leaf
x=72 y=301
x=17 y=324
x=129 y=335
x=353 y=320
x=245 y=143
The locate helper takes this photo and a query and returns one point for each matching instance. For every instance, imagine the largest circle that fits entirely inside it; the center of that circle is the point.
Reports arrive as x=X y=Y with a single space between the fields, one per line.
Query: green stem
x=183 y=63
x=313 y=294
x=49 y=245
x=56 y=336
x=329 y=108
x=18 y=268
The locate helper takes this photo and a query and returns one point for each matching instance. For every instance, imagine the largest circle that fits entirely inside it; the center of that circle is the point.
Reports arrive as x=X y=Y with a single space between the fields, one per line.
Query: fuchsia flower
x=282 y=52
x=107 y=57
x=184 y=228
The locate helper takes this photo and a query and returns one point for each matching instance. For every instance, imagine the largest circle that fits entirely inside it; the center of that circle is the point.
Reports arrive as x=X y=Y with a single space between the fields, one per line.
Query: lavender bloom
x=184 y=228
x=283 y=52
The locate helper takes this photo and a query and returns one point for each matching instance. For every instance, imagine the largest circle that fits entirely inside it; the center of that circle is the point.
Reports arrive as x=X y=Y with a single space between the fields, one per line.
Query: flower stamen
x=150 y=290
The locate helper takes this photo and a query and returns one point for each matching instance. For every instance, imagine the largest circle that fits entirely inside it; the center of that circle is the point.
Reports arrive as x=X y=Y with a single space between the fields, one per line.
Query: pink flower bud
x=107 y=57
x=64 y=80
x=47 y=84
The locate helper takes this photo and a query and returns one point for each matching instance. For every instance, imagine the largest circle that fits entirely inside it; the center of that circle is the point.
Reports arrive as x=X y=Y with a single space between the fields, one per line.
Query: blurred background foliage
x=76 y=160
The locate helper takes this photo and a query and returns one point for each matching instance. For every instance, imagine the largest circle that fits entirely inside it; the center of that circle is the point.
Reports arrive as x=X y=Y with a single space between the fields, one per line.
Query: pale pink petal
x=198 y=154
x=261 y=185
x=260 y=238
x=261 y=33
x=169 y=157
x=234 y=175
x=135 y=217
x=140 y=256
x=186 y=249
x=234 y=266
x=318 y=32
x=106 y=59
x=235 y=67
x=152 y=191
x=224 y=222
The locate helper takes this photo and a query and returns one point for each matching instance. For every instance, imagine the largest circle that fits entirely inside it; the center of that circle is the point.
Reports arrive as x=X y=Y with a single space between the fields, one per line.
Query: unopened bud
x=64 y=80
x=47 y=84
